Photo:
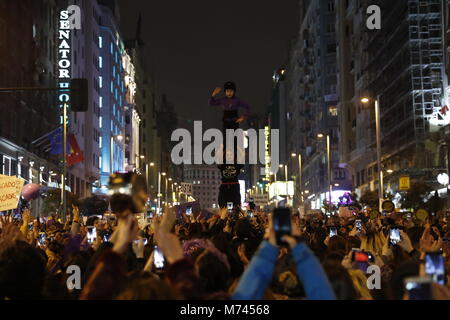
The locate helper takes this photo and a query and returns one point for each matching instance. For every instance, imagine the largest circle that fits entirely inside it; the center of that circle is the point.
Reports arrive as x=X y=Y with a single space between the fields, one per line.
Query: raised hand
x=138 y=248
x=127 y=232
x=169 y=244
x=240 y=119
x=168 y=219
x=216 y=91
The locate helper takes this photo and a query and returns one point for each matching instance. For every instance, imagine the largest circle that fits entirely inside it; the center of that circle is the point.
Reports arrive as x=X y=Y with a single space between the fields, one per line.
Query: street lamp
x=366 y=100
x=159 y=189
x=320 y=135
x=293 y=155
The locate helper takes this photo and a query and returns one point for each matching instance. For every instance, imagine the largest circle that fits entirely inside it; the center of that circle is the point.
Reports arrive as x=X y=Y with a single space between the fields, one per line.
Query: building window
x=100 y=84
x=100 y=102
x=100 y=42
x=333 y=111
x=100 y=142
x=100 y=122
x=331 y=28
x=100 y=62
x=331 y=6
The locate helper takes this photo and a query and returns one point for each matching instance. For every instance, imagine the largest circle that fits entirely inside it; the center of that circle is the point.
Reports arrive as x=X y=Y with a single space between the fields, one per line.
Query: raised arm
x=310 y=272
x=213 y=100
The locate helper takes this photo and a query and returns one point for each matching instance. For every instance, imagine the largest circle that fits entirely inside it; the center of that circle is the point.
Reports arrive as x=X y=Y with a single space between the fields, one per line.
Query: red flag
x=75 y=155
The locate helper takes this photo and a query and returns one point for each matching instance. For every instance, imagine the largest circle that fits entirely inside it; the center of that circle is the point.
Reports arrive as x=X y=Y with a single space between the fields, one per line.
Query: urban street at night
x=210 y=152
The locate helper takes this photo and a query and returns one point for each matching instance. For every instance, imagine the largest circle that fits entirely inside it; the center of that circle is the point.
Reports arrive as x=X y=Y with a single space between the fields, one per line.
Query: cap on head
x=229 y=86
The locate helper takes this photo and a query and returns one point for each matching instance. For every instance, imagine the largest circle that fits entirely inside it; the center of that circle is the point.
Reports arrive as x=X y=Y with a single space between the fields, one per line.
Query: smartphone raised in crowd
x=281 y=223
x=188 y=210
x=358 y=224
x=230 y=206
x=435 y=267
x=158 y=258
x=42 y=237
x=362 y=259
x=106 y=237
x=419 y=288
x=91 y=234
x=333 y=232
x=394 y=236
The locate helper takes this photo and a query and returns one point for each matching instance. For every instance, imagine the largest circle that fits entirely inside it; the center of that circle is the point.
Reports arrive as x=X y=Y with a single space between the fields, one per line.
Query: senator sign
x=64 y=58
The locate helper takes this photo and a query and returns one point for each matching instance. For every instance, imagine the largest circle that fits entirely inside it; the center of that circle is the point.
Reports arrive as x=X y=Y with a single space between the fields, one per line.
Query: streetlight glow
x=365 y=100
x=320 y=135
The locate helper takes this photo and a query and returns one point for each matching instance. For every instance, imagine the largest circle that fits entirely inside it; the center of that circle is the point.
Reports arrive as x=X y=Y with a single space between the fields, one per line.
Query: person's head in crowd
x=359 y=280
x=340 y=280
x=22 y=272
x=401 y=272
x=213 y=270
x=91 y=221
x=144 y=286
x=373 y=242
x=337 y=243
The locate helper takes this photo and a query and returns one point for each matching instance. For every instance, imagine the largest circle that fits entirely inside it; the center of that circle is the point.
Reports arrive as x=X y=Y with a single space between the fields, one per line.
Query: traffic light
x=79 y=95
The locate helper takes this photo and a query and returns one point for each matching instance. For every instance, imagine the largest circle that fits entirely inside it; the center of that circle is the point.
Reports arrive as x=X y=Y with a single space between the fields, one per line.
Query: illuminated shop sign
x=64 y=57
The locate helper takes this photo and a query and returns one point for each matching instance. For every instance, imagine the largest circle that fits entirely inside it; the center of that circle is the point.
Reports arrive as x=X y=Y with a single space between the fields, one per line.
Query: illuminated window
x=332 y=110
x=100 y=102
x=100 y=84
x=100 y=122
x=100 y=42
x=100 y=62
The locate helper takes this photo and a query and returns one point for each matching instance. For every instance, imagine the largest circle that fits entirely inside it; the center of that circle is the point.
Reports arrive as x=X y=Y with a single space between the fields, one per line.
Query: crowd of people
x=232 y=255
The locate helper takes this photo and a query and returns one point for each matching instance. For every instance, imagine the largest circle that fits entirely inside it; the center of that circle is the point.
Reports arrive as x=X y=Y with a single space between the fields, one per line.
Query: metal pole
x=380 y=173
x=329 y=167
x=111 y=158
x=159 y=190
x=166 y=190
x=300 y=177
x=64 y=200
x=286 y=178
x=146 y=177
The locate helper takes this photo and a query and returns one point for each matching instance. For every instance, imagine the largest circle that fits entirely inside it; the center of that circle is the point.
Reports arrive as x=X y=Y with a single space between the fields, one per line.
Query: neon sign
x=64 y=58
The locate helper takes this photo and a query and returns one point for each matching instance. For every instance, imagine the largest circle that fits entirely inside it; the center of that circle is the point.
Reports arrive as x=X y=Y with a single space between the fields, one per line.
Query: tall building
x=148 y=147
x=86 y=58
x=28 y=47
x=112 y=92
x=403 y=65
x=205 y=181
x=312 y=103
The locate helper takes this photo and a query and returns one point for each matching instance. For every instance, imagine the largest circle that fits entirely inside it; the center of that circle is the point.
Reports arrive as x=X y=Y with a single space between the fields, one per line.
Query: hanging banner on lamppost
x=404 y=183
x=186 y=188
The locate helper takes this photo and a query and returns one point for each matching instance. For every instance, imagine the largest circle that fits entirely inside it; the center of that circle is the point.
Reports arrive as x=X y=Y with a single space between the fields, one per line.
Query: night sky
x=194 y=46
